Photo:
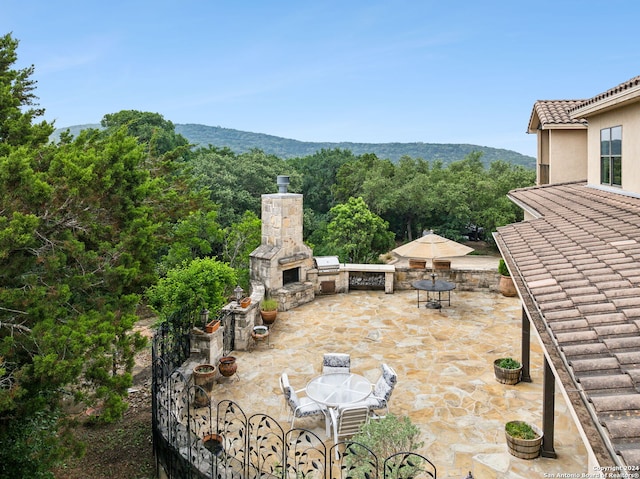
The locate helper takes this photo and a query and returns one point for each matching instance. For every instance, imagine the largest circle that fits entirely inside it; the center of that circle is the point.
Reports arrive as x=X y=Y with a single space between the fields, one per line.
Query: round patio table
x=338 y=389
x=434 y=286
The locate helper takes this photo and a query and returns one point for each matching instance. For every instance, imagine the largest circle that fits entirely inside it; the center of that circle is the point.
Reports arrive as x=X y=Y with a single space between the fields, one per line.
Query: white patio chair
x=347 y=421
x=382 y=389
x=299 y=406
x=336 y=363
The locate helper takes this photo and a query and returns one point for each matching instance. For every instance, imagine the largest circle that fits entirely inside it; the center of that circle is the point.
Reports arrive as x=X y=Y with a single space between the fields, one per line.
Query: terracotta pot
x=245 y=302
x=203 y=378
x=214 y=443
x=506 y=286
x=212 y=326
x=268 y=317
x=227 y=366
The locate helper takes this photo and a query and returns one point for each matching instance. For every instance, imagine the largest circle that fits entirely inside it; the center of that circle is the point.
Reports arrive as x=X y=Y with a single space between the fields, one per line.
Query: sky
x=349 y=70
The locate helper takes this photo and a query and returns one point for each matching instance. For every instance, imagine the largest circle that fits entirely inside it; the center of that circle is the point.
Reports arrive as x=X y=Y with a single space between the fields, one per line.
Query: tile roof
x=577 y=265
x=554 y=113
x=616 y=90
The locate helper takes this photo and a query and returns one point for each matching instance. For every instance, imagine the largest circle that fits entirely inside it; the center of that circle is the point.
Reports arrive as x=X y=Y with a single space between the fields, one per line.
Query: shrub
x=197 y=284
x=386 y=437
x=502 y=268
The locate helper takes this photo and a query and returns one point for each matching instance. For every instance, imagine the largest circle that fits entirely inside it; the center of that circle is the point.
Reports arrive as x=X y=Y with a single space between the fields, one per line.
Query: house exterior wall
x=567 y=155
x=629 y=118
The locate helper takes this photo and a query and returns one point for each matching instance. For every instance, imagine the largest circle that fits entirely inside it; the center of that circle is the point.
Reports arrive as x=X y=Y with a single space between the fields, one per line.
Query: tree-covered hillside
x=243 y=141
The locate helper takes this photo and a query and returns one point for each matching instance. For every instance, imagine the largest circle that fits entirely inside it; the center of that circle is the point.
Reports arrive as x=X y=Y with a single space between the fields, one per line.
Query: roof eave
x=630 y=95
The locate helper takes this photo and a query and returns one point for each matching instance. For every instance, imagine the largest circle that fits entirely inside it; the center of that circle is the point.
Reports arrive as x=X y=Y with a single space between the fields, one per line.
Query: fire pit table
x=433 y=286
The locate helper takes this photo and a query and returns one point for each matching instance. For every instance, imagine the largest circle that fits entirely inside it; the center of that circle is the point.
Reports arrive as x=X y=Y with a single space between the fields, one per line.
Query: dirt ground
x=122 y=450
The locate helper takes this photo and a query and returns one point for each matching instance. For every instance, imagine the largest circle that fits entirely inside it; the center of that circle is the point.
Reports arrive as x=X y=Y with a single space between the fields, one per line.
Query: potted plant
x=523 y=439
x=506 y=286
x=268 y=310
x=507 y=370
x=203 y=378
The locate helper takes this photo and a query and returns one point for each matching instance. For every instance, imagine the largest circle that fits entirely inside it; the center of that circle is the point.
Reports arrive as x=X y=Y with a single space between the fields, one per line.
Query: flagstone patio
x=444 y=361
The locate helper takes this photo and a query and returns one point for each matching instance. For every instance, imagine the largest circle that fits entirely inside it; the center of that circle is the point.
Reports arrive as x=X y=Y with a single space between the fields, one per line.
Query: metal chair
x=382 y=389
x=299 y=406
x=336 y=363
x=347 y=421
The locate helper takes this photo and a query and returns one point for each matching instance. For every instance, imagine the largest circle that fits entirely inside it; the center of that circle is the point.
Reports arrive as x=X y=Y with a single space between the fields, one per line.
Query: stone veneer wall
x=466 y=280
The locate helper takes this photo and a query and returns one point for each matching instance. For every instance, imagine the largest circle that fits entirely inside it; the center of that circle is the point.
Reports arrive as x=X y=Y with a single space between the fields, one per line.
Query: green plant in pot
x=507 y=370
x=523 y=439
x=506 y=286
x=268 y=310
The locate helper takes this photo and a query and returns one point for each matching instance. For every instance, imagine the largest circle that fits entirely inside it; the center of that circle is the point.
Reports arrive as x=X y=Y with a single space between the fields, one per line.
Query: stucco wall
x=567 y=155
x=629 y=118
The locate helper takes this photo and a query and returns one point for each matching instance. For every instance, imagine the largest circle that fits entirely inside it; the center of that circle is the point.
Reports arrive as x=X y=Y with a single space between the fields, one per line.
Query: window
x=611 y=156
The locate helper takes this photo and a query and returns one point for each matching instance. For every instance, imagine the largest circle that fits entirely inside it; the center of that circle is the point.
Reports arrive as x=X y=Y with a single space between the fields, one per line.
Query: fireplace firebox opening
x=290 y=276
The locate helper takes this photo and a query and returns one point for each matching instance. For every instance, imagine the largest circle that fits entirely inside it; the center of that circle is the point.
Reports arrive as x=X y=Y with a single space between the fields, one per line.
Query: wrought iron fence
x=220 y=441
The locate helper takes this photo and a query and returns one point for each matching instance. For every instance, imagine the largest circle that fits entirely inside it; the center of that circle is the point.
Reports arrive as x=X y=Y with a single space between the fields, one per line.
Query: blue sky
x=361 y=71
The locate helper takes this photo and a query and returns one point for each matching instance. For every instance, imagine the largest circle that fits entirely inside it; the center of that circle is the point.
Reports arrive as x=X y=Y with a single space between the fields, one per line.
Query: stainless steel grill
x=327 y=264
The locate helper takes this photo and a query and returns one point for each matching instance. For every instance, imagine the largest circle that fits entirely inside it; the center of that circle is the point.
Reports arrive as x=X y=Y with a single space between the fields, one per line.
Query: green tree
x=82 y=224
x=240 y=240
x=18 y=103
x=357 y=235
x=319 y=173
x=198 y=235
x=150 y=128
x=236 y=182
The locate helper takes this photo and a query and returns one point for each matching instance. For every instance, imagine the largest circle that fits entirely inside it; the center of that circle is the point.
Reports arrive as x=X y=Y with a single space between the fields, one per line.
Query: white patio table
x=338 y=389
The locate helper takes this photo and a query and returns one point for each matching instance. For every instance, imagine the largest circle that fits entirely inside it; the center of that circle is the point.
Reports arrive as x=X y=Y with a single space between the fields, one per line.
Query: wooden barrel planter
x=524 y=448
x=506 y=376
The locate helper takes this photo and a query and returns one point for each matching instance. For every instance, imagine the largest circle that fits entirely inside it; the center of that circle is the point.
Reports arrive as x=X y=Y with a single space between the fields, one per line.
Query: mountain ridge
x=241 y=141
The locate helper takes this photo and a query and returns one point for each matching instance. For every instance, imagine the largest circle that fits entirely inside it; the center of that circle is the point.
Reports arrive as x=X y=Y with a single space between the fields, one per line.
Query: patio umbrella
x=431 y=246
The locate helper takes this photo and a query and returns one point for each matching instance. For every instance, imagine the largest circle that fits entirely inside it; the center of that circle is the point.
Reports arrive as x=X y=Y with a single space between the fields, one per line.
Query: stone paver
x=444 y=360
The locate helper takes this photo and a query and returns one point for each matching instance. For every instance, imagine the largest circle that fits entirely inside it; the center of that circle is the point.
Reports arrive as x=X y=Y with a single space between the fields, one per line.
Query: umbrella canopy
x=431 y=246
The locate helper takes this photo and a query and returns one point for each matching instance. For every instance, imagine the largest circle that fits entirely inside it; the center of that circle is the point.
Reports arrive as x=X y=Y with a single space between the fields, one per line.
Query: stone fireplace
x=282 y=261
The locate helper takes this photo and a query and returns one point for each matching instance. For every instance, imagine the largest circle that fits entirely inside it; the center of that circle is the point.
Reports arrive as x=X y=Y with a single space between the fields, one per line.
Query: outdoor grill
x=327 y=264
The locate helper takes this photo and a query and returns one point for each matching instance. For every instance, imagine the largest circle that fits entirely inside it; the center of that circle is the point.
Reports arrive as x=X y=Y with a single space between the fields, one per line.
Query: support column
x=526 y=347
x=548 y=411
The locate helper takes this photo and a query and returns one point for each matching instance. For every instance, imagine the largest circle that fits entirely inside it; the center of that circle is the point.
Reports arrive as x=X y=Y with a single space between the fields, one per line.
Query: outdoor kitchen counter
x=387 y=269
